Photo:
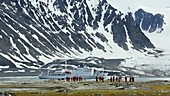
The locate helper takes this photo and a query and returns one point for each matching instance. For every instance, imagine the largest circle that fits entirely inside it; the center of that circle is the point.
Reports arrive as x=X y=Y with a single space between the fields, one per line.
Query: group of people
x=112 y=79
x=119 y=79
x=75 y=78
x=99 y=79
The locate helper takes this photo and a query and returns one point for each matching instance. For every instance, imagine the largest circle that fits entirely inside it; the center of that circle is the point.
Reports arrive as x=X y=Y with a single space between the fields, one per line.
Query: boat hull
x=52 y=77
x=64 y=77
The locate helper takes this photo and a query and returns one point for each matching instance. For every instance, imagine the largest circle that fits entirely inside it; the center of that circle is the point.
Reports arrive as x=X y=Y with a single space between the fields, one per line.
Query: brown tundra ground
x=85 y=88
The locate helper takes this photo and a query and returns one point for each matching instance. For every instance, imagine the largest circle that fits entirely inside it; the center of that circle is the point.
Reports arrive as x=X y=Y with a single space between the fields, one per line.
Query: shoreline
x=85 y=88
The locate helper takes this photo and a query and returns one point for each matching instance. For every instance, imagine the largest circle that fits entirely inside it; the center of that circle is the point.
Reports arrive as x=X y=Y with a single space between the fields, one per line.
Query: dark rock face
x=139 y=40
x=148 y=21
x=5 y=62
x=35 y=30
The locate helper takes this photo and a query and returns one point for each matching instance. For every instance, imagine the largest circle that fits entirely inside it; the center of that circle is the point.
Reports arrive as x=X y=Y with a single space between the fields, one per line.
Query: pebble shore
x=90 y=88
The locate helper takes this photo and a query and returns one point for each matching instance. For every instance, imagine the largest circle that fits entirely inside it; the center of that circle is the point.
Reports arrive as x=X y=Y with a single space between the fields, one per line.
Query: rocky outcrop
x=148 y=21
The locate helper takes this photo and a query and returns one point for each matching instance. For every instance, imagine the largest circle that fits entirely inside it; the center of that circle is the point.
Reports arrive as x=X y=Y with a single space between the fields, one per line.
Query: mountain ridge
x=34 y=32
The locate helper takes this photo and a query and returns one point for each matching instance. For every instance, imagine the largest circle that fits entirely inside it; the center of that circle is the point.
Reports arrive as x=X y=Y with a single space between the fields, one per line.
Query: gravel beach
x=85 y=88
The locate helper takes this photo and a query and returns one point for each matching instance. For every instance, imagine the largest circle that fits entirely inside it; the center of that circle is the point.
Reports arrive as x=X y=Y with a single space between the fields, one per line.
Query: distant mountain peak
x=148 y=21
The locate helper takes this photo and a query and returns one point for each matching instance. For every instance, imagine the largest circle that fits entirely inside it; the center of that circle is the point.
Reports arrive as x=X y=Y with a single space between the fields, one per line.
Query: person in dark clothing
x=97 y=79
x=120 y=78
x=113 y=78
x=125 y=78
x=133 y=79
x=117 y=79
x=130 y=79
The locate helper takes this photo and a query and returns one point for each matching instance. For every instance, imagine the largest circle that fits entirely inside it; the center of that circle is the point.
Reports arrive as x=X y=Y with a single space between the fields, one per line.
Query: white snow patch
x=4 y=67
x=21 y=70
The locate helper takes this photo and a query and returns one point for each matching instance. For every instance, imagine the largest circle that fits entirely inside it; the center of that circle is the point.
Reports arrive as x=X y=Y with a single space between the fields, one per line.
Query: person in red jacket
x=111 y=79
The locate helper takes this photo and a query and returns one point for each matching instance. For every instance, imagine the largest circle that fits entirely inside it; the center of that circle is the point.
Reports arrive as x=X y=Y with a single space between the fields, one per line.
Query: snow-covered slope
x=159 y=39
x=35 y=32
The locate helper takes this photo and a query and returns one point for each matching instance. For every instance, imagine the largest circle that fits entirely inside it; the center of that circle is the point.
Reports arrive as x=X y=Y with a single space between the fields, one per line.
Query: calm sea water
x=146 y=79
x=27 y=79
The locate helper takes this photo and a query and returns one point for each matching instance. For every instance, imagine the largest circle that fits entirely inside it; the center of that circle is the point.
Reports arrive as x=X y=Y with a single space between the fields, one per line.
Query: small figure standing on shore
x=130 y=79
x=97 y=79
x=68 y=78
x=125 y=78
x=111 y=79
x=133 y=79
x=117 y=79
x=102 y=78
x=120 y=78
x=80 y=78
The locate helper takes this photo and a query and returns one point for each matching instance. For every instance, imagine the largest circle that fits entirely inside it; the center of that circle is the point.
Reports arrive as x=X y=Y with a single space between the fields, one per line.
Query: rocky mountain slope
x=36 y=32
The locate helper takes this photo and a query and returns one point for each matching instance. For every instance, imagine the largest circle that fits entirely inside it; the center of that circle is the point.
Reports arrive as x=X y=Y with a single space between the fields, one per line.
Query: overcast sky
x=124 y=5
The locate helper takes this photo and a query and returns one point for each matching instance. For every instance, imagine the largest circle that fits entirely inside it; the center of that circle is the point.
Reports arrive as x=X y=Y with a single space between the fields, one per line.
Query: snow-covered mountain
x=36 y=32
x=160 y=64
